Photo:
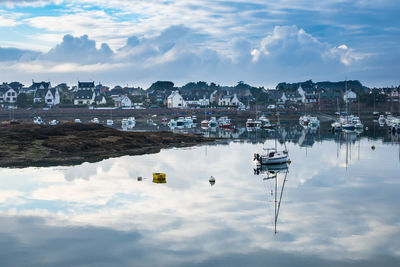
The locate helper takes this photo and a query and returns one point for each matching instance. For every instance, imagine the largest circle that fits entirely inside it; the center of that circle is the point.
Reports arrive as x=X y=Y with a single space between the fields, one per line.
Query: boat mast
x=347 y=100
x=278 y=203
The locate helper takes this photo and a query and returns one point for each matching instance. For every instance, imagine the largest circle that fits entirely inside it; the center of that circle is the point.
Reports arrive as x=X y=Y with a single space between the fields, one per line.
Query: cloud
x=183 y=54
x=15 y=54
x=79 y=49
x=289 y=44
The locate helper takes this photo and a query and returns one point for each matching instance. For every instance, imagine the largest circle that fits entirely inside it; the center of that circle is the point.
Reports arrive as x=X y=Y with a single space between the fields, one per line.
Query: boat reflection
x=274 y=173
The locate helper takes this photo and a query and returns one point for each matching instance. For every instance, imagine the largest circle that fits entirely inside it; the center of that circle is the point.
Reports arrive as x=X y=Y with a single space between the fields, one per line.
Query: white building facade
x=175 y=100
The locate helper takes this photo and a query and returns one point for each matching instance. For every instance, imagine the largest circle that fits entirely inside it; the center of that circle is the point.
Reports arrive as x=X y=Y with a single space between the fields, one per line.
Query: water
x=339 y=206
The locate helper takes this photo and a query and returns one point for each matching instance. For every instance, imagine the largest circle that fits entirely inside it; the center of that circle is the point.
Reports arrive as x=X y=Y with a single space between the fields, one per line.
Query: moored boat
x=272 y=157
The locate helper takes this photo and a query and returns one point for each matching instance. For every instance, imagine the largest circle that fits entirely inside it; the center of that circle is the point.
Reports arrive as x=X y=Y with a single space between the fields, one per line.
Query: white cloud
x=289 y=44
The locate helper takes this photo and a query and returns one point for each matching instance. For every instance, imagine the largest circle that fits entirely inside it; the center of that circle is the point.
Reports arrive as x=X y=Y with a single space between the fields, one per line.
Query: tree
x=162 y=85
x=24 y=100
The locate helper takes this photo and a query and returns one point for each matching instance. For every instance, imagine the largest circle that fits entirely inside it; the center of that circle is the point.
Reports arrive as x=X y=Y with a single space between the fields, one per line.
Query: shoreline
x=30 y=145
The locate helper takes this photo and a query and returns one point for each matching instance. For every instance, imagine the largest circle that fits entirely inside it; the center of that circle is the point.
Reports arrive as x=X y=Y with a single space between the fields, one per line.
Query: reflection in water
x=338 y=209
x=273 y=172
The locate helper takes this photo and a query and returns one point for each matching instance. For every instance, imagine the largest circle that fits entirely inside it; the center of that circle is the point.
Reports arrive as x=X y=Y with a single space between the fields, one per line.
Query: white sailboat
x=273 y=156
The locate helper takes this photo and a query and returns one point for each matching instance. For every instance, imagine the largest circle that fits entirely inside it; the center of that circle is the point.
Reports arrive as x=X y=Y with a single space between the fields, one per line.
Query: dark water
x=338 y=206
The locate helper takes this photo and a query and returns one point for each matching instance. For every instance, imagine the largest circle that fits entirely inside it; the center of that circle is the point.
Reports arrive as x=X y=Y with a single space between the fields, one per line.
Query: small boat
x=348 y=125
x=95 y=120
x=180 y=122
x=109 y=122
x=381 y=119
x=336 y=126
x=211 y=180
x=53 y=122
x=250 y=123
x=164 y=121
x=309 y=121
x=188 y=120
x=131 y=121
x=272 y=157
x=77 y=121
x=159 y=178
x=124 y=122
x=213 y=122
x=204 y=123
x=38 y=120
x=172 y=123
x=225 y=122
x=265 y=123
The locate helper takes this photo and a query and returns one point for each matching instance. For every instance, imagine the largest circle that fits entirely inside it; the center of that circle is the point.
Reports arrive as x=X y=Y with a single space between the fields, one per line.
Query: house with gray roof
x=8 y=94
x=49 y=96
x=84 y=97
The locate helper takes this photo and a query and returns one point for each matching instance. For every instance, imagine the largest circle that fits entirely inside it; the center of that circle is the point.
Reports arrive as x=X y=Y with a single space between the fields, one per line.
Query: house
x=84 y=97
x=229 y=100
x=8 y=94
x=349 y=96
x=393 y=95
x=40 y=85
x=194 y=102
x=86 y=86
x=294 y=97
x=100 y=100
x=50 y=96
x=175 y=100
x=122 y=101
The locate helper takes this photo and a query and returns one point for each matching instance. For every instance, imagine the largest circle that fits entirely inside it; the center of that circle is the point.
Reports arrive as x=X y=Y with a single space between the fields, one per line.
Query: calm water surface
x=339 y=206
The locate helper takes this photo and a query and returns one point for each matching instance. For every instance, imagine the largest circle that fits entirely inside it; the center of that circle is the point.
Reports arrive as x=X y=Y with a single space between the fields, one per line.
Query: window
x=9 y=94
x=13 y=93
x=49 y=101
x=8 y=99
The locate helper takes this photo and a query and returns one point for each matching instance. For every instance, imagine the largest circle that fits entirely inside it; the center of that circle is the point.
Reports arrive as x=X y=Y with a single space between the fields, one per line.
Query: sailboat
x=204 y=123
x=273 y=156
x=347 y=124
x=336 y=125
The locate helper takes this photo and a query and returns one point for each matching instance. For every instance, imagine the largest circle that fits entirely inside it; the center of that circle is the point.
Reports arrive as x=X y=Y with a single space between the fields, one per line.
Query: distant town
x=164 y=94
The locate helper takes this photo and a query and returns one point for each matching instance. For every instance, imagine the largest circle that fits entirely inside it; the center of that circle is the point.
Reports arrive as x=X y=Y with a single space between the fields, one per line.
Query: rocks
x=73 y=143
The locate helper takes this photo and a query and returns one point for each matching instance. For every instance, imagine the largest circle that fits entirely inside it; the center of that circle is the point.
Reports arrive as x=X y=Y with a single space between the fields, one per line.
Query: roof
x=83 y=94
x=5 y=87
x=43 y=85
x=99 y=98
x=85 y=84
x=117 y=91
x=40 y=93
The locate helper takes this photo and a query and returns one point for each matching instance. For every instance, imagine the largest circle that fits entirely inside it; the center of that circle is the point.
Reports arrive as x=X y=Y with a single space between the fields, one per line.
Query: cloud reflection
x=328 y=213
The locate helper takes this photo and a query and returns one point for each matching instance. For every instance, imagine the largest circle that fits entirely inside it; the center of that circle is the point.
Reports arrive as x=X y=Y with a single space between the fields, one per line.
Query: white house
x=175 y=100
x=203 y=102
x=122 y=101
x=283 y=99
x=100 y=100
x=229 y=100
x=86 y=86
x=302 y=94
x=349 y=96
x=84 y=97
x=8 y=94
x=52 y=97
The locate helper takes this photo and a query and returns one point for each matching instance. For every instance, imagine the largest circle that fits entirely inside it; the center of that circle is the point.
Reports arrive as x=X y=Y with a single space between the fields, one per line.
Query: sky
x=259 y=42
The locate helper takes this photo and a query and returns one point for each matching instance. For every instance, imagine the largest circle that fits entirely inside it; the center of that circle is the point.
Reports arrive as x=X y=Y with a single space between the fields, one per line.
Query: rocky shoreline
x=30 y=145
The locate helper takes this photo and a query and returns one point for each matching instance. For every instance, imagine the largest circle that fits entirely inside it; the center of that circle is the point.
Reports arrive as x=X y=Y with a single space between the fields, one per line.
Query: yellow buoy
x=159 y=178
